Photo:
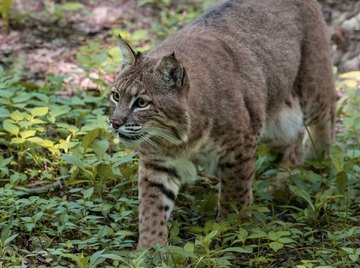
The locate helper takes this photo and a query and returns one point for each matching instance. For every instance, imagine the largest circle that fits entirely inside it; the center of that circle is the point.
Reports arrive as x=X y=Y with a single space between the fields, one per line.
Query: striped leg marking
x=158 y=189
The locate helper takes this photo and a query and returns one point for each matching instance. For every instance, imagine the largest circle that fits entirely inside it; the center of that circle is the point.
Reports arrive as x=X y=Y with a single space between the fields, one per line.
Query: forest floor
x=46 y=36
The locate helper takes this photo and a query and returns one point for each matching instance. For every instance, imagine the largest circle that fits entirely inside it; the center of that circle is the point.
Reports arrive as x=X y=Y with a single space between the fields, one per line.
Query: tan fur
x=244 y=72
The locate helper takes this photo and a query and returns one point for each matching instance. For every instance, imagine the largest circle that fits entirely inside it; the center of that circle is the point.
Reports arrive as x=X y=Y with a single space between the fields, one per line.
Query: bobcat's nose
x=115 y=123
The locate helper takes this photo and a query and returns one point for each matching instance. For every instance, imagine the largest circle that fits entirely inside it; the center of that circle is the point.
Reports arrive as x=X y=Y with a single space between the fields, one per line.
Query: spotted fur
x=245 y=72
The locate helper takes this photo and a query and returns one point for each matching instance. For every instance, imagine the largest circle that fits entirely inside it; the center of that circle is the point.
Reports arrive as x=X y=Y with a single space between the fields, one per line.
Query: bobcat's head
x=148 y=100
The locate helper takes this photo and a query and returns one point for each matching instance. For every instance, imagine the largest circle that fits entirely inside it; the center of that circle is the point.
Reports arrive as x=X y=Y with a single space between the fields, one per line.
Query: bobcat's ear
x=171 y=70
x=130 y=56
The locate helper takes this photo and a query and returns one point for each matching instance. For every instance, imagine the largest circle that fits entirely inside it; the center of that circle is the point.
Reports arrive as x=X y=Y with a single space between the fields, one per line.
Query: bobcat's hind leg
x=320 y=136
x=236 y=170
x=315 y=87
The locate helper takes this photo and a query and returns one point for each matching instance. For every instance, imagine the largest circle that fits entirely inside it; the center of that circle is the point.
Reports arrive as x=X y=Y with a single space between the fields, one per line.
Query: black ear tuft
x=130 y=56
x=170 y=70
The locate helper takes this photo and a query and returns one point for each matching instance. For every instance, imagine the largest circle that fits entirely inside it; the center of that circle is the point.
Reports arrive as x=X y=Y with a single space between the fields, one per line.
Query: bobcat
x=244 y=72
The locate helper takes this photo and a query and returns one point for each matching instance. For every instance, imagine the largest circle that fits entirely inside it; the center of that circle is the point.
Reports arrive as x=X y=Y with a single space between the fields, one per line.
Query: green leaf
x=5 y=162
x=337 y=157
x=80 y=259
x=302 y=194
x=262 y=209
x=341 y=180
x=47 y=144
x=354 y=257
x=286 y=240
x=125 y=159
x=139 y=35
x=96 y=258
x=257 y=233
x=16 y=178
x=88 y=193
x=174 y=231
x=100 y=148
x=105 y=171
x=4 y=112
x=276 y=246
x=37 y=121
x=189 y=247
x=72 y=160
x=71 y=128
x=353 y=154
x=283 y=233
x=348 y=250
x=25 y=124
x=17 y=116
x=27 y=133
x=9 y=239
x=115 y=54
x=5 y=232
x=38 y=216
x=8 y=126
x=113 y=257
x=57 y=112
x=179 y=251
x=39 y=111
x=72 y=6
x=22 y=98
x=100 y=58
x=273 y=236
x=212 y=234
x=237 y=250
x=89 y=138
x=242 y=235
x=17 y=140
x=36 y=140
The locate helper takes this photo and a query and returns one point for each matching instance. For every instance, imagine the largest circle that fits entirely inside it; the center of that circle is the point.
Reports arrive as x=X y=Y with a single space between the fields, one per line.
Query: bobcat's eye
x=115 y=96
x=141 y=103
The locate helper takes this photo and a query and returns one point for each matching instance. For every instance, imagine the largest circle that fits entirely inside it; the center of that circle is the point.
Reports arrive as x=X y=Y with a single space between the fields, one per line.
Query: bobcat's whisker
x=151 y=144
x=163 y=133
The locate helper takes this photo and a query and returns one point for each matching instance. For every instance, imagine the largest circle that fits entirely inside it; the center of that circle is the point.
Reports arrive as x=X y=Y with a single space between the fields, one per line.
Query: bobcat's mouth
x=129 y=132
x=132 y=136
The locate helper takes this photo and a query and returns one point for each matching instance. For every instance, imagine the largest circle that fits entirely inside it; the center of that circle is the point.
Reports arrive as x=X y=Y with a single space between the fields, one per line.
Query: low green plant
x=48 y=144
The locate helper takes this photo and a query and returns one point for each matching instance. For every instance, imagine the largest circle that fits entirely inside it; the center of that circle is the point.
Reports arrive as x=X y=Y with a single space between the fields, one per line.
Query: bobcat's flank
x=244 y=72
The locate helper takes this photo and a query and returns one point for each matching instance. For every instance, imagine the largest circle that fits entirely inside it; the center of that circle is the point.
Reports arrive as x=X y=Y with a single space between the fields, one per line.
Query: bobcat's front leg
x=158 y=189
x=236 y=170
